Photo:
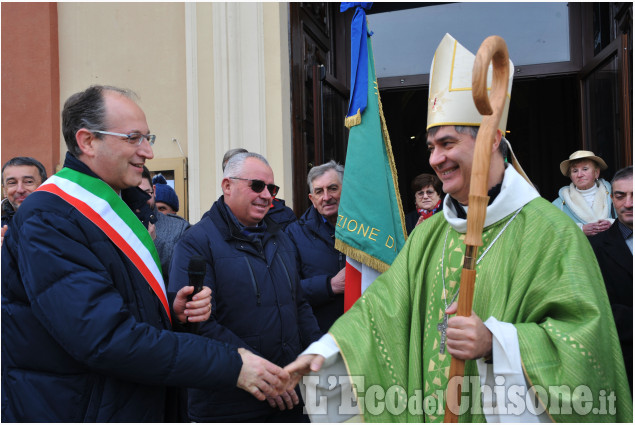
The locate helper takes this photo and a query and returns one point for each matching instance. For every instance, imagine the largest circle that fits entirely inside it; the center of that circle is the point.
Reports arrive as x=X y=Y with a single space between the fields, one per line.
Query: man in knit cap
x=167 y=201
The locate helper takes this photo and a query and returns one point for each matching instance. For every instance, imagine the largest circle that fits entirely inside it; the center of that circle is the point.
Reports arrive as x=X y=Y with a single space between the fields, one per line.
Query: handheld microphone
x=196 y=273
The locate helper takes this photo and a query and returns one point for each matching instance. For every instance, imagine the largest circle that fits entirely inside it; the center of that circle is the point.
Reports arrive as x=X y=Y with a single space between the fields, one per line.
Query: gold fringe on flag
x=361 y=256
x=354 y=120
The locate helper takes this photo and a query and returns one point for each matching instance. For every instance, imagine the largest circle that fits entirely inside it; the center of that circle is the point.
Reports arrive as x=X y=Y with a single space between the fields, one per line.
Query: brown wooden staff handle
x=494 y=50
x=457 y=366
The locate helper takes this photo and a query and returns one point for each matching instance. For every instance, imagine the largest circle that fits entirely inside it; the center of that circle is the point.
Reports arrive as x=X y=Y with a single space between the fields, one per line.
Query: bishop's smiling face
x=451 y=155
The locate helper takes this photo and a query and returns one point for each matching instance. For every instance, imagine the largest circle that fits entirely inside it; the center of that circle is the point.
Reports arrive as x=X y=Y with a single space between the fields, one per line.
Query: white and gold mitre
x=450 y=101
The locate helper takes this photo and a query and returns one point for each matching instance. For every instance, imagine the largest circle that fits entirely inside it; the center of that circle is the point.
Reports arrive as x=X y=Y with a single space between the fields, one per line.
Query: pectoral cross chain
x=443 y=327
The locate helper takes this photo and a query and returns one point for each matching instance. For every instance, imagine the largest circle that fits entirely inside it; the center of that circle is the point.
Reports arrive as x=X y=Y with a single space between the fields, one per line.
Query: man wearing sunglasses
x=258 y=303
x=278 y=212
x=86 y=320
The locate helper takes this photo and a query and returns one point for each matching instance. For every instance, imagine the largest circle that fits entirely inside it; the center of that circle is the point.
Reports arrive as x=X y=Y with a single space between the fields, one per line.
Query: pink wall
x=30 y=83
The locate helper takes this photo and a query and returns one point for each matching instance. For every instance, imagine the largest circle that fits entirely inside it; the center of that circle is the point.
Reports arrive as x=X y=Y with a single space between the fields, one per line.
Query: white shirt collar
x=515 y=193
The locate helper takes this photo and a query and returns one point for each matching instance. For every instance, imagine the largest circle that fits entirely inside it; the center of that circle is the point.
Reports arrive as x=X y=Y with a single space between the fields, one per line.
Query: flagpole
x=493 y=49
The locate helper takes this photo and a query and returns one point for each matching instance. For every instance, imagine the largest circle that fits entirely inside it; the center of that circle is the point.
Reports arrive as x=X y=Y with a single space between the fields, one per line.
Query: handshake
x=259 y=377
x=266 y=381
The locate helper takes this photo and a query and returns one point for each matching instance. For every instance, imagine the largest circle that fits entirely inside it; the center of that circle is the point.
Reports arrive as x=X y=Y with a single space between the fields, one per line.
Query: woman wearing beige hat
x=587 y=200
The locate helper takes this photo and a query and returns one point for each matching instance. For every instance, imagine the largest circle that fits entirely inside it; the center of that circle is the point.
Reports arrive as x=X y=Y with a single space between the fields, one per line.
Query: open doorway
x=543 y=128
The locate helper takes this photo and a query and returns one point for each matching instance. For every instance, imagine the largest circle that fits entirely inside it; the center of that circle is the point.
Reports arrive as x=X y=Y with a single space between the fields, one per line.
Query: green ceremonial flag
x=370 y=226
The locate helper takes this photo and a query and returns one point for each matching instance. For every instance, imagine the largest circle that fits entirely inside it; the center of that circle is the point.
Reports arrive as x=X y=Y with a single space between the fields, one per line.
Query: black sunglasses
x=258 y=186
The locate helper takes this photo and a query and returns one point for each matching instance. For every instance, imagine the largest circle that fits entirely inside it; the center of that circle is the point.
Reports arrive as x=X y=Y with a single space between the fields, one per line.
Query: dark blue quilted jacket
x=257 y=303
x=84 y=338
x=318 y=261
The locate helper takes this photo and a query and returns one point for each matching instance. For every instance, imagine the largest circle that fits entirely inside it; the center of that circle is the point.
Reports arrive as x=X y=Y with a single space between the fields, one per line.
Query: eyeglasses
x=132 y=138
x=258 y=186
x=420 y=194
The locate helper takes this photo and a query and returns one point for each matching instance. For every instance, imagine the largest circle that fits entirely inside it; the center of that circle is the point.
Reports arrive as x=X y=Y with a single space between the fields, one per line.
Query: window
x=406 y=39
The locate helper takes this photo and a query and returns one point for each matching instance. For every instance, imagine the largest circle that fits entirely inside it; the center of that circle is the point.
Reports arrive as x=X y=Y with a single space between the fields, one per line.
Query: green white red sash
x=99 y=203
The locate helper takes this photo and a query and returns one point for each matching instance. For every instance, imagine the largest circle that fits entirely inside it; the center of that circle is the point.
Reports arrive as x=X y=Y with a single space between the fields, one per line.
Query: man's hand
x=260 y=377
x=152 y=229
x=287 y=400
x=467 y=337
x=337 y=282
x=301 y=366
x=197 y=310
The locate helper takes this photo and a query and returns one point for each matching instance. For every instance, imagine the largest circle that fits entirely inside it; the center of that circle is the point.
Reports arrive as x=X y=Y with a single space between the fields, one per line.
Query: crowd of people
x=541 y=326
x=98 y=275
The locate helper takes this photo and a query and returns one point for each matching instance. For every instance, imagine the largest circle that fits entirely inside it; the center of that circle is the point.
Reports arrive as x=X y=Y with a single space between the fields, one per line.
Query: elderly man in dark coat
x=321 y=265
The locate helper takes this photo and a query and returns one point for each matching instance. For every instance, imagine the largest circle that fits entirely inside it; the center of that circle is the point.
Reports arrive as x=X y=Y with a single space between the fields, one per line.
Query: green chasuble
x=541 y=276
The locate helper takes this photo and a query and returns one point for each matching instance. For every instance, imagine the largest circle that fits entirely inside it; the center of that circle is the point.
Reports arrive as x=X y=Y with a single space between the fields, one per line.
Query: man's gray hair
x=231 y=153
x=472 y=130
x=624 y=173
x=234 y=166
x=320 y=170
x=87 y=109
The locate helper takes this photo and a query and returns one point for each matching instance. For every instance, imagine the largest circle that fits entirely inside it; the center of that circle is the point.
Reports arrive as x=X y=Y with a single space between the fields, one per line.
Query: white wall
x=213 y=76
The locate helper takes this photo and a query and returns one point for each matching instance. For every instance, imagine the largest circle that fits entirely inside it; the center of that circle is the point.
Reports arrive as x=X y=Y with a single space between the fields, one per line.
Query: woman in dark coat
x=428 y=199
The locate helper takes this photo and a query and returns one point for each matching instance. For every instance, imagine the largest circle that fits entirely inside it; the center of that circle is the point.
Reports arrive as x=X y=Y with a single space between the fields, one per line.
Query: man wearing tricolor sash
x=540 y=344
x=86 y=319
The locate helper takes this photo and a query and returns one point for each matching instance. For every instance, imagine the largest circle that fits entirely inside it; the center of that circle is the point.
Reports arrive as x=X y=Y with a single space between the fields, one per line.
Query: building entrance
x=543 y=128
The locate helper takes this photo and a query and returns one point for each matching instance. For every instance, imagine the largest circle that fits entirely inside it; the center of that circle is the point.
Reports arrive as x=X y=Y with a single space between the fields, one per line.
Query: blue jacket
x=318 y=261
x=280 y=213
x=84 y=338
x=257 y=303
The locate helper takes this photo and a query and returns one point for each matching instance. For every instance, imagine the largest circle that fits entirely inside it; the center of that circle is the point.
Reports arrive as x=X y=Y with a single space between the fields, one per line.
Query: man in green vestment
x=541 y=343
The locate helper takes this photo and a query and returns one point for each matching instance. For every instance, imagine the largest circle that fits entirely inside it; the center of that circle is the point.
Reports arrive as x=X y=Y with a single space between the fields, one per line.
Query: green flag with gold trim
x=370 y=227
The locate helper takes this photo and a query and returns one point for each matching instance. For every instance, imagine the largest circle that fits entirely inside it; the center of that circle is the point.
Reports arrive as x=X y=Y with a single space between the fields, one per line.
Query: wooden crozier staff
x=493 y=49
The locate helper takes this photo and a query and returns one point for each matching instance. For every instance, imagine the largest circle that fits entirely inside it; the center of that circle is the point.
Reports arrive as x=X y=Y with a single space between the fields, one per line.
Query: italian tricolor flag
x=359 y=276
